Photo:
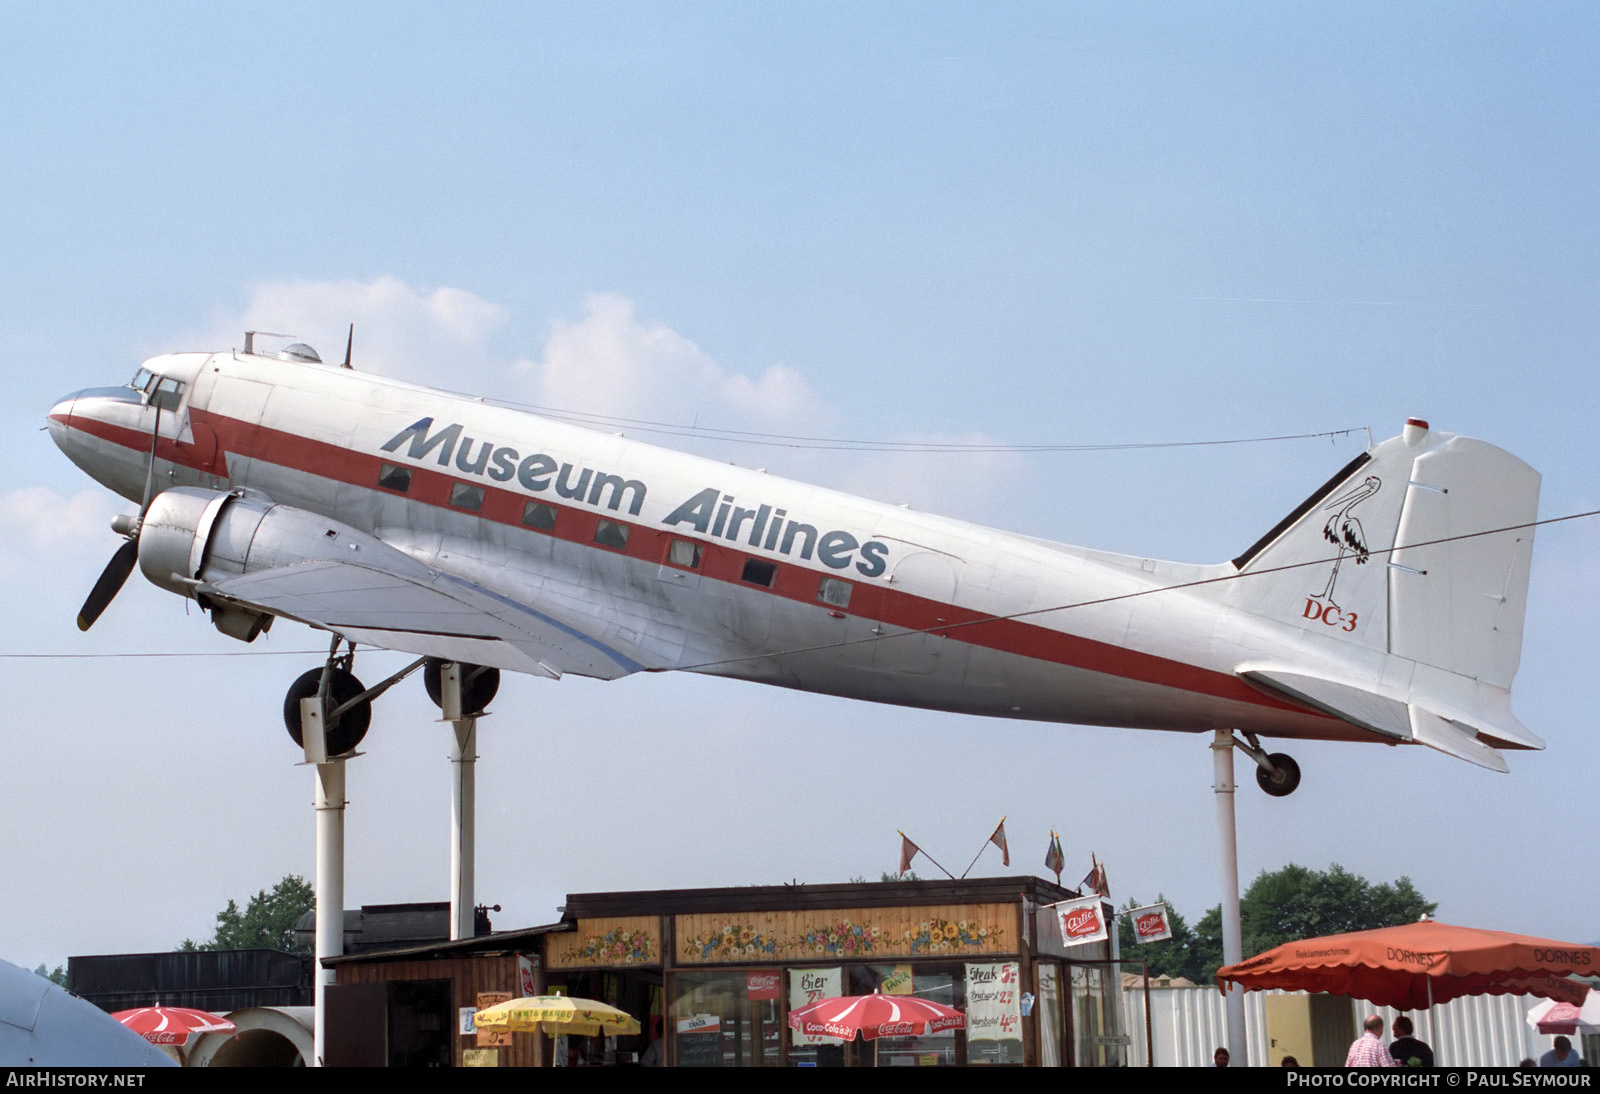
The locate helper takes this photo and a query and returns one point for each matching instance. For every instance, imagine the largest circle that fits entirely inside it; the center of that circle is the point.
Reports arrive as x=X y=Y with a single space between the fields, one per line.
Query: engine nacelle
x=191 y=535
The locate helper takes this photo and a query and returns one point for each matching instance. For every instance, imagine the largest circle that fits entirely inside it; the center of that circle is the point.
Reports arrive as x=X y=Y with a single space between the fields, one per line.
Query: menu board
x=807 y=986
x=994 y=1002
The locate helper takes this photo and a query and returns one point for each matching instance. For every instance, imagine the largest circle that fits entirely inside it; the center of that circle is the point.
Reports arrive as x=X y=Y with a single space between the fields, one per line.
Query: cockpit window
x=141 y=379
x=168 y=394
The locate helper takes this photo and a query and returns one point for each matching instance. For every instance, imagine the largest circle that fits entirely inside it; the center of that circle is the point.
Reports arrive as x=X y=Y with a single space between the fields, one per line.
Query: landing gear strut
x=479 y=684
x=1276 y=772
x=346 y=700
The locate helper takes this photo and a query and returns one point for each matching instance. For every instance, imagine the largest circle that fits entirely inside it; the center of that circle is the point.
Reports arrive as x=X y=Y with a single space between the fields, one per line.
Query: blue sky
x=1055 y=223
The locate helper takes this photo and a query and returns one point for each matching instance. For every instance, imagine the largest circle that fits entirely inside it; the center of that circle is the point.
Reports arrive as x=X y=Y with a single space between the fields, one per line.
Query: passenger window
x=757 y=572
x=834 y=593
x=536 y=514
x=391 y=477
x=466 y=496
x=683 y=552
x=608 y=533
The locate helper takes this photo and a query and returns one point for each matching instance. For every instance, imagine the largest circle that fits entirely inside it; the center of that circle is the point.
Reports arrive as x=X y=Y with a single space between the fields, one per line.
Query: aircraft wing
x=417 y=610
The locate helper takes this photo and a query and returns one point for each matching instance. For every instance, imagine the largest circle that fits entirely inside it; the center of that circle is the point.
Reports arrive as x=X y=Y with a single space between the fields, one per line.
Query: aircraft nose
x=59 y=420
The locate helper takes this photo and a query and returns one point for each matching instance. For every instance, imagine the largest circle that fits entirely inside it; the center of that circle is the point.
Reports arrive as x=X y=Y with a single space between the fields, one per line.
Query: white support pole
x=330 y=890
x=1228 y=852
x=463 y=802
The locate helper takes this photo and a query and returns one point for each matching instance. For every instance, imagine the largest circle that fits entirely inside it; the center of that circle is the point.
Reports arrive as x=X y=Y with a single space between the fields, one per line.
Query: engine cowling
x=190 y=536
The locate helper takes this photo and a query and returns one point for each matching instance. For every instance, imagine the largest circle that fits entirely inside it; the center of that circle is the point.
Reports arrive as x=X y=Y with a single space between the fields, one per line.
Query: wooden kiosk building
x=712 y=974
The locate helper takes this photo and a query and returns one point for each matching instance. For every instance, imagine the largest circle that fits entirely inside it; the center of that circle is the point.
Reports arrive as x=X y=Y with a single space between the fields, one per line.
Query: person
x=1220 y=1057
x=1561 y=1055
x=1368 y=1050
x=1406 y=1049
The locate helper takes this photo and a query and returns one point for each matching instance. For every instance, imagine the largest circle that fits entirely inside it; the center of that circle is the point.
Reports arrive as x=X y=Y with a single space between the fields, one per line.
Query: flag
x=1053 y=859
x=999 y=840
x=1095 y=879
x=908 y=851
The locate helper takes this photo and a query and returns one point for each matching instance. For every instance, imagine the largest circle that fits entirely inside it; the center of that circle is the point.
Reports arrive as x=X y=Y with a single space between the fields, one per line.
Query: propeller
x=115 y=575
x=110 y=583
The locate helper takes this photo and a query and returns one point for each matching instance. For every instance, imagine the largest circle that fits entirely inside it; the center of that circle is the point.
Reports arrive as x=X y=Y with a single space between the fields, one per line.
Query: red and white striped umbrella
x=172 y=1025
x=874 y=1016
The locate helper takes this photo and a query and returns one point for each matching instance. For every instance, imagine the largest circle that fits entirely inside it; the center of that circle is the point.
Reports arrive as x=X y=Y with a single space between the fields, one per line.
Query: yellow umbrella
x=555 y=1015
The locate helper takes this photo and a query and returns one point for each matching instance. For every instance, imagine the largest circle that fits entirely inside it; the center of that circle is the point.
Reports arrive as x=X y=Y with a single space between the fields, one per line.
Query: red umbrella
x=172 y=1025
x=1419 y=964
x=874 y=1016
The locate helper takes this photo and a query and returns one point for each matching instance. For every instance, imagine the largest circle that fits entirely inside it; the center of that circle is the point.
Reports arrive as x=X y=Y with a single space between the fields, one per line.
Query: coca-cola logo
x=1081 y=922
x=762 y=985
x=1147 y=925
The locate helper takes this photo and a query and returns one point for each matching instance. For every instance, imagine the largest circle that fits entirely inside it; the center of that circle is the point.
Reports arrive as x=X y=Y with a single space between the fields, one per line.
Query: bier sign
x=1150 y=924
x=1081 y=921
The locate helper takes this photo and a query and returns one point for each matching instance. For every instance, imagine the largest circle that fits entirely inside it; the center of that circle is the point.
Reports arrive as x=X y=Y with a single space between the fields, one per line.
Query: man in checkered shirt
x=1369 y=1050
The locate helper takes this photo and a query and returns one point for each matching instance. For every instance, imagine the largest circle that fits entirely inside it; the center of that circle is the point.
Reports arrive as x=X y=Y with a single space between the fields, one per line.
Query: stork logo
x=1344 y=531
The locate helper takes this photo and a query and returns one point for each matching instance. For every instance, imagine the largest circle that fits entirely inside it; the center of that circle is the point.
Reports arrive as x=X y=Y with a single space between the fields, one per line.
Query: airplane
x=1387 y=607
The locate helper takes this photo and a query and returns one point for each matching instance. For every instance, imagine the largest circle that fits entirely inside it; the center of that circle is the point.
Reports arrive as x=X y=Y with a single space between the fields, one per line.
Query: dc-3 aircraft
x=1387 y=607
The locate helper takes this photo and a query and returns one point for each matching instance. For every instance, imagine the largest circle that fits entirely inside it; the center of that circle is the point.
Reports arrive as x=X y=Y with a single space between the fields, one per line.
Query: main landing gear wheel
x=345 y=732
x=1284 y=782
x=478 y=686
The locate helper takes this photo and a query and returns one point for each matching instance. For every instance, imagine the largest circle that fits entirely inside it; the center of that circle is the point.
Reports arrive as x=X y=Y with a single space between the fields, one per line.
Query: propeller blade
x=110 y=583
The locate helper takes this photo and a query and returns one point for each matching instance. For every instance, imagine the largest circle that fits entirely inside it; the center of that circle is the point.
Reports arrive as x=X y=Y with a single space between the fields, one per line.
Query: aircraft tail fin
x=1418 y=550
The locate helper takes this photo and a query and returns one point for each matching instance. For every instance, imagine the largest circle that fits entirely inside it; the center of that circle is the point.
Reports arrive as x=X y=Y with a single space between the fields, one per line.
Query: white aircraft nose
x=59 y=420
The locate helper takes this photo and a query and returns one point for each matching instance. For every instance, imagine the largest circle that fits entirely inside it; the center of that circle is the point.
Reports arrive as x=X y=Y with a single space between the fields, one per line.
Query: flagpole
x=979 y=855
x=927 y=856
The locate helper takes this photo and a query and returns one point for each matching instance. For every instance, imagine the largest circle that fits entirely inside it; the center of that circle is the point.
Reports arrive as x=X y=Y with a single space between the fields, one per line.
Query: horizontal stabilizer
x=1355 y=705
x=1449 y=738
x=1381 y=714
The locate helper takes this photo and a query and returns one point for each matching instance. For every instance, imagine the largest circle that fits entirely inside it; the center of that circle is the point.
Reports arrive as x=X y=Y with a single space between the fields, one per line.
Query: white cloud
x=436 y=337
x=609 y=362
x=38 y=525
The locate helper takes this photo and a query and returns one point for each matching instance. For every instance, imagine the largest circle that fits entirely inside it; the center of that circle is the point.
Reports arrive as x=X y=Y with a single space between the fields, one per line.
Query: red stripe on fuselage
x=719 y=563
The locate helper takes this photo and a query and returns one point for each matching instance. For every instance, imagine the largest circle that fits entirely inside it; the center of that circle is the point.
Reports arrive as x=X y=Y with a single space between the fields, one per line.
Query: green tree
x=267 y=922
x=1295 y=902
x=57 y=977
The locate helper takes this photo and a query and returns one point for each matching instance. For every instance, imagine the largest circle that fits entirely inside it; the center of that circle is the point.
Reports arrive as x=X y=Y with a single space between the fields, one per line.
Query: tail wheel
x=1284 y=782
x=342 y=735
x=478 y=686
